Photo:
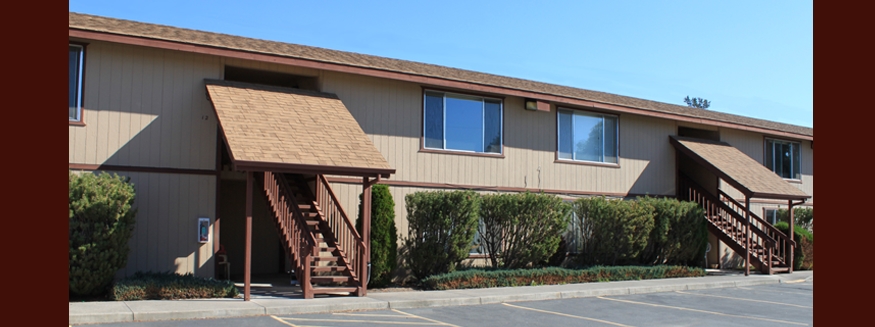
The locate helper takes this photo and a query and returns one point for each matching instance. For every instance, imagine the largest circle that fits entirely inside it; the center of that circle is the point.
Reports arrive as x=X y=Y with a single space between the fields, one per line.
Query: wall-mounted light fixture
x=537 y=105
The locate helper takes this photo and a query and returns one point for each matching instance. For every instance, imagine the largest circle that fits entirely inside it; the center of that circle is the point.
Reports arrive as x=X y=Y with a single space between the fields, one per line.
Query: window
x=587 y=136
x=75 y=68
x=770 y=215
x=783 y=158
x=462 y=123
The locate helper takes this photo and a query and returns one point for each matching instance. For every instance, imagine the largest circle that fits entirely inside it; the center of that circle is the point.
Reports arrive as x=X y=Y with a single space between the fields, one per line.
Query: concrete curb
x=113 y=312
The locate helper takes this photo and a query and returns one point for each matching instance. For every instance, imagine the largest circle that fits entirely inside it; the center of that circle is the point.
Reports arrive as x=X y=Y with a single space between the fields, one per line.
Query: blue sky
x=751 y=58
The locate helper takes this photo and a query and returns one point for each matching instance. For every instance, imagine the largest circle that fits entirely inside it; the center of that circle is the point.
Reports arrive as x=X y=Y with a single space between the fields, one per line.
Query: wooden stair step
x=325 y=258
x=324 y=290
x=330 y=279
x=328 y=268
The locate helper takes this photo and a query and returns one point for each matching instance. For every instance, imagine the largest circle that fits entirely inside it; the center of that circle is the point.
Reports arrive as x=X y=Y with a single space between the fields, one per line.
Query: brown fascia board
x=241 y=165
x=780 y=196
x=408 y=77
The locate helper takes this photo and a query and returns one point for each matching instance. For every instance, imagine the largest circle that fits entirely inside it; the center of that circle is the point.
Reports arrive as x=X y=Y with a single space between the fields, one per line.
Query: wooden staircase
x=320 y=240
x=770 y=249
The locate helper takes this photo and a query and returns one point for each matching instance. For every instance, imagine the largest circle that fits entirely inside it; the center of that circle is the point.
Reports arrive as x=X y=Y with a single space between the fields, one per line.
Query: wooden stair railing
x=299 y=241
x=348 y=240
x=784 y=244
x=733 y=228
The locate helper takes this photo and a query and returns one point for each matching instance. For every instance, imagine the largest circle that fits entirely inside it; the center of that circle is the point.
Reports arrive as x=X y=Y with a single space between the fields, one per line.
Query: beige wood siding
x=145 y=107
x=753 y=145
x=391 y=113
x=165 y=234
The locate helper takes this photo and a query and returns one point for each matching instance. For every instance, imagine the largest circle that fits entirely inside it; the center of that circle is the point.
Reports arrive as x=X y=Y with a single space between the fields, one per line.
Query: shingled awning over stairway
x=290 y=130
x=738 y=169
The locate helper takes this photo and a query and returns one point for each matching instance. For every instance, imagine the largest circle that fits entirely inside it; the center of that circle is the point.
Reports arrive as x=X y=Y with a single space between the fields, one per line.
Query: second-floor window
x=462 y=123
x=586 y=136
x=75 y=69
x=783 y=158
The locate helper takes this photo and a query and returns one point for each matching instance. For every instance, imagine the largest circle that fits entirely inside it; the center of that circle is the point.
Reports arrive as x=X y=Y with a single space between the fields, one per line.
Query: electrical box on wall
x=537 y=105
x=203 y=230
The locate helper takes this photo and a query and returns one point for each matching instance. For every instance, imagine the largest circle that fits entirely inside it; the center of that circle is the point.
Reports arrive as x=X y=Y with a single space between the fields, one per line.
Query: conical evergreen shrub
x=384 y=235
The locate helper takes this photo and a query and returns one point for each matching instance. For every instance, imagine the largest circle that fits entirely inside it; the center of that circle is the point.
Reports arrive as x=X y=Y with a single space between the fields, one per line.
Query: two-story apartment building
x=274 y=142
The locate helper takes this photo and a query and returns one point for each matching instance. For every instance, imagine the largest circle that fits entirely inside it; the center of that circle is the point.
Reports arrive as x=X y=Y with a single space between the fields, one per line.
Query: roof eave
x=408 y=76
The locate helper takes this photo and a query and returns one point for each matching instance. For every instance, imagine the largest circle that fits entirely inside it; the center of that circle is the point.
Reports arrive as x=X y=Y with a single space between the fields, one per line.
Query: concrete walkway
x=128 y=311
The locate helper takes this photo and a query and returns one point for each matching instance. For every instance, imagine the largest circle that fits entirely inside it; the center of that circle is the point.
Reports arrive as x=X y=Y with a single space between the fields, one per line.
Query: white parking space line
x=283 y=321
x=567 y=315
x=775 y=291
x=366 y=315
x=424 y=318
x=747 y=300
x=359 y=321
x=703 y=311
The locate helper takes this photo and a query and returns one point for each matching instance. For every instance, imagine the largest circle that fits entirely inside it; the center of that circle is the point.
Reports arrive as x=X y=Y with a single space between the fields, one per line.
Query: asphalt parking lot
x=787 y=304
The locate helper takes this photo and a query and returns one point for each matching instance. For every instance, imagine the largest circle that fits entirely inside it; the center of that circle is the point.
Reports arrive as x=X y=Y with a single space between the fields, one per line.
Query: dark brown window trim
x=587 y=163
x=422 y=147
x=140 y=169
x=463 y=153
x=81 y=121
x=463 y=92
x=581 y=162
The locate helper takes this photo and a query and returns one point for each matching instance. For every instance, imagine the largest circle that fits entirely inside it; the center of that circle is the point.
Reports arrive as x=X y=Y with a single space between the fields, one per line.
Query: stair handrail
x=770 y=242
x=762 y=222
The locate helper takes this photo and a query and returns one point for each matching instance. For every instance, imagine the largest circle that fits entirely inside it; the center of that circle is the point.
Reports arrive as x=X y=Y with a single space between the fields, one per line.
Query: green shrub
x=519 y=230
x=554 y=276
x=804 y=245
x=680 y=233
x=101 y=224
x=441 y=228
x=802 y=216
x=612 y=232
x=170 y=286
x=384 y=235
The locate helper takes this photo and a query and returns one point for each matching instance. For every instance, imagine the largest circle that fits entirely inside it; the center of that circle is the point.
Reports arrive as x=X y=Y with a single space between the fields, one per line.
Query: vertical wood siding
x=145 y=107
x=390 y=112
x=165 y=233
x=753 y=145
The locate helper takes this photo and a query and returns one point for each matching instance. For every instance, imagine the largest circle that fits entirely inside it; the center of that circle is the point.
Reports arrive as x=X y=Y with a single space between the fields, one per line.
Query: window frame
x=770 y=151
x=445 y=150
x=80 y=112
x=574 y=111
x=766 y=215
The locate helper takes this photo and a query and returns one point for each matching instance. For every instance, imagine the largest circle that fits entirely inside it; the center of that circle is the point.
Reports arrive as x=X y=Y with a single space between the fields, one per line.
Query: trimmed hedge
x=100 y=226
x=522 y=229
x=679 y=236
x=384 y=235
x=804 y=251
x=441 y=227
x=554 y=276
x=170 y=286
x=612 y=232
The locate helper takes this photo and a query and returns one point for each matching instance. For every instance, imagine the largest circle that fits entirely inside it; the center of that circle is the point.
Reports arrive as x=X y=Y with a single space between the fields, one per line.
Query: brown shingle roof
x=741 y=171
x=175 y=34
x=281 y=129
